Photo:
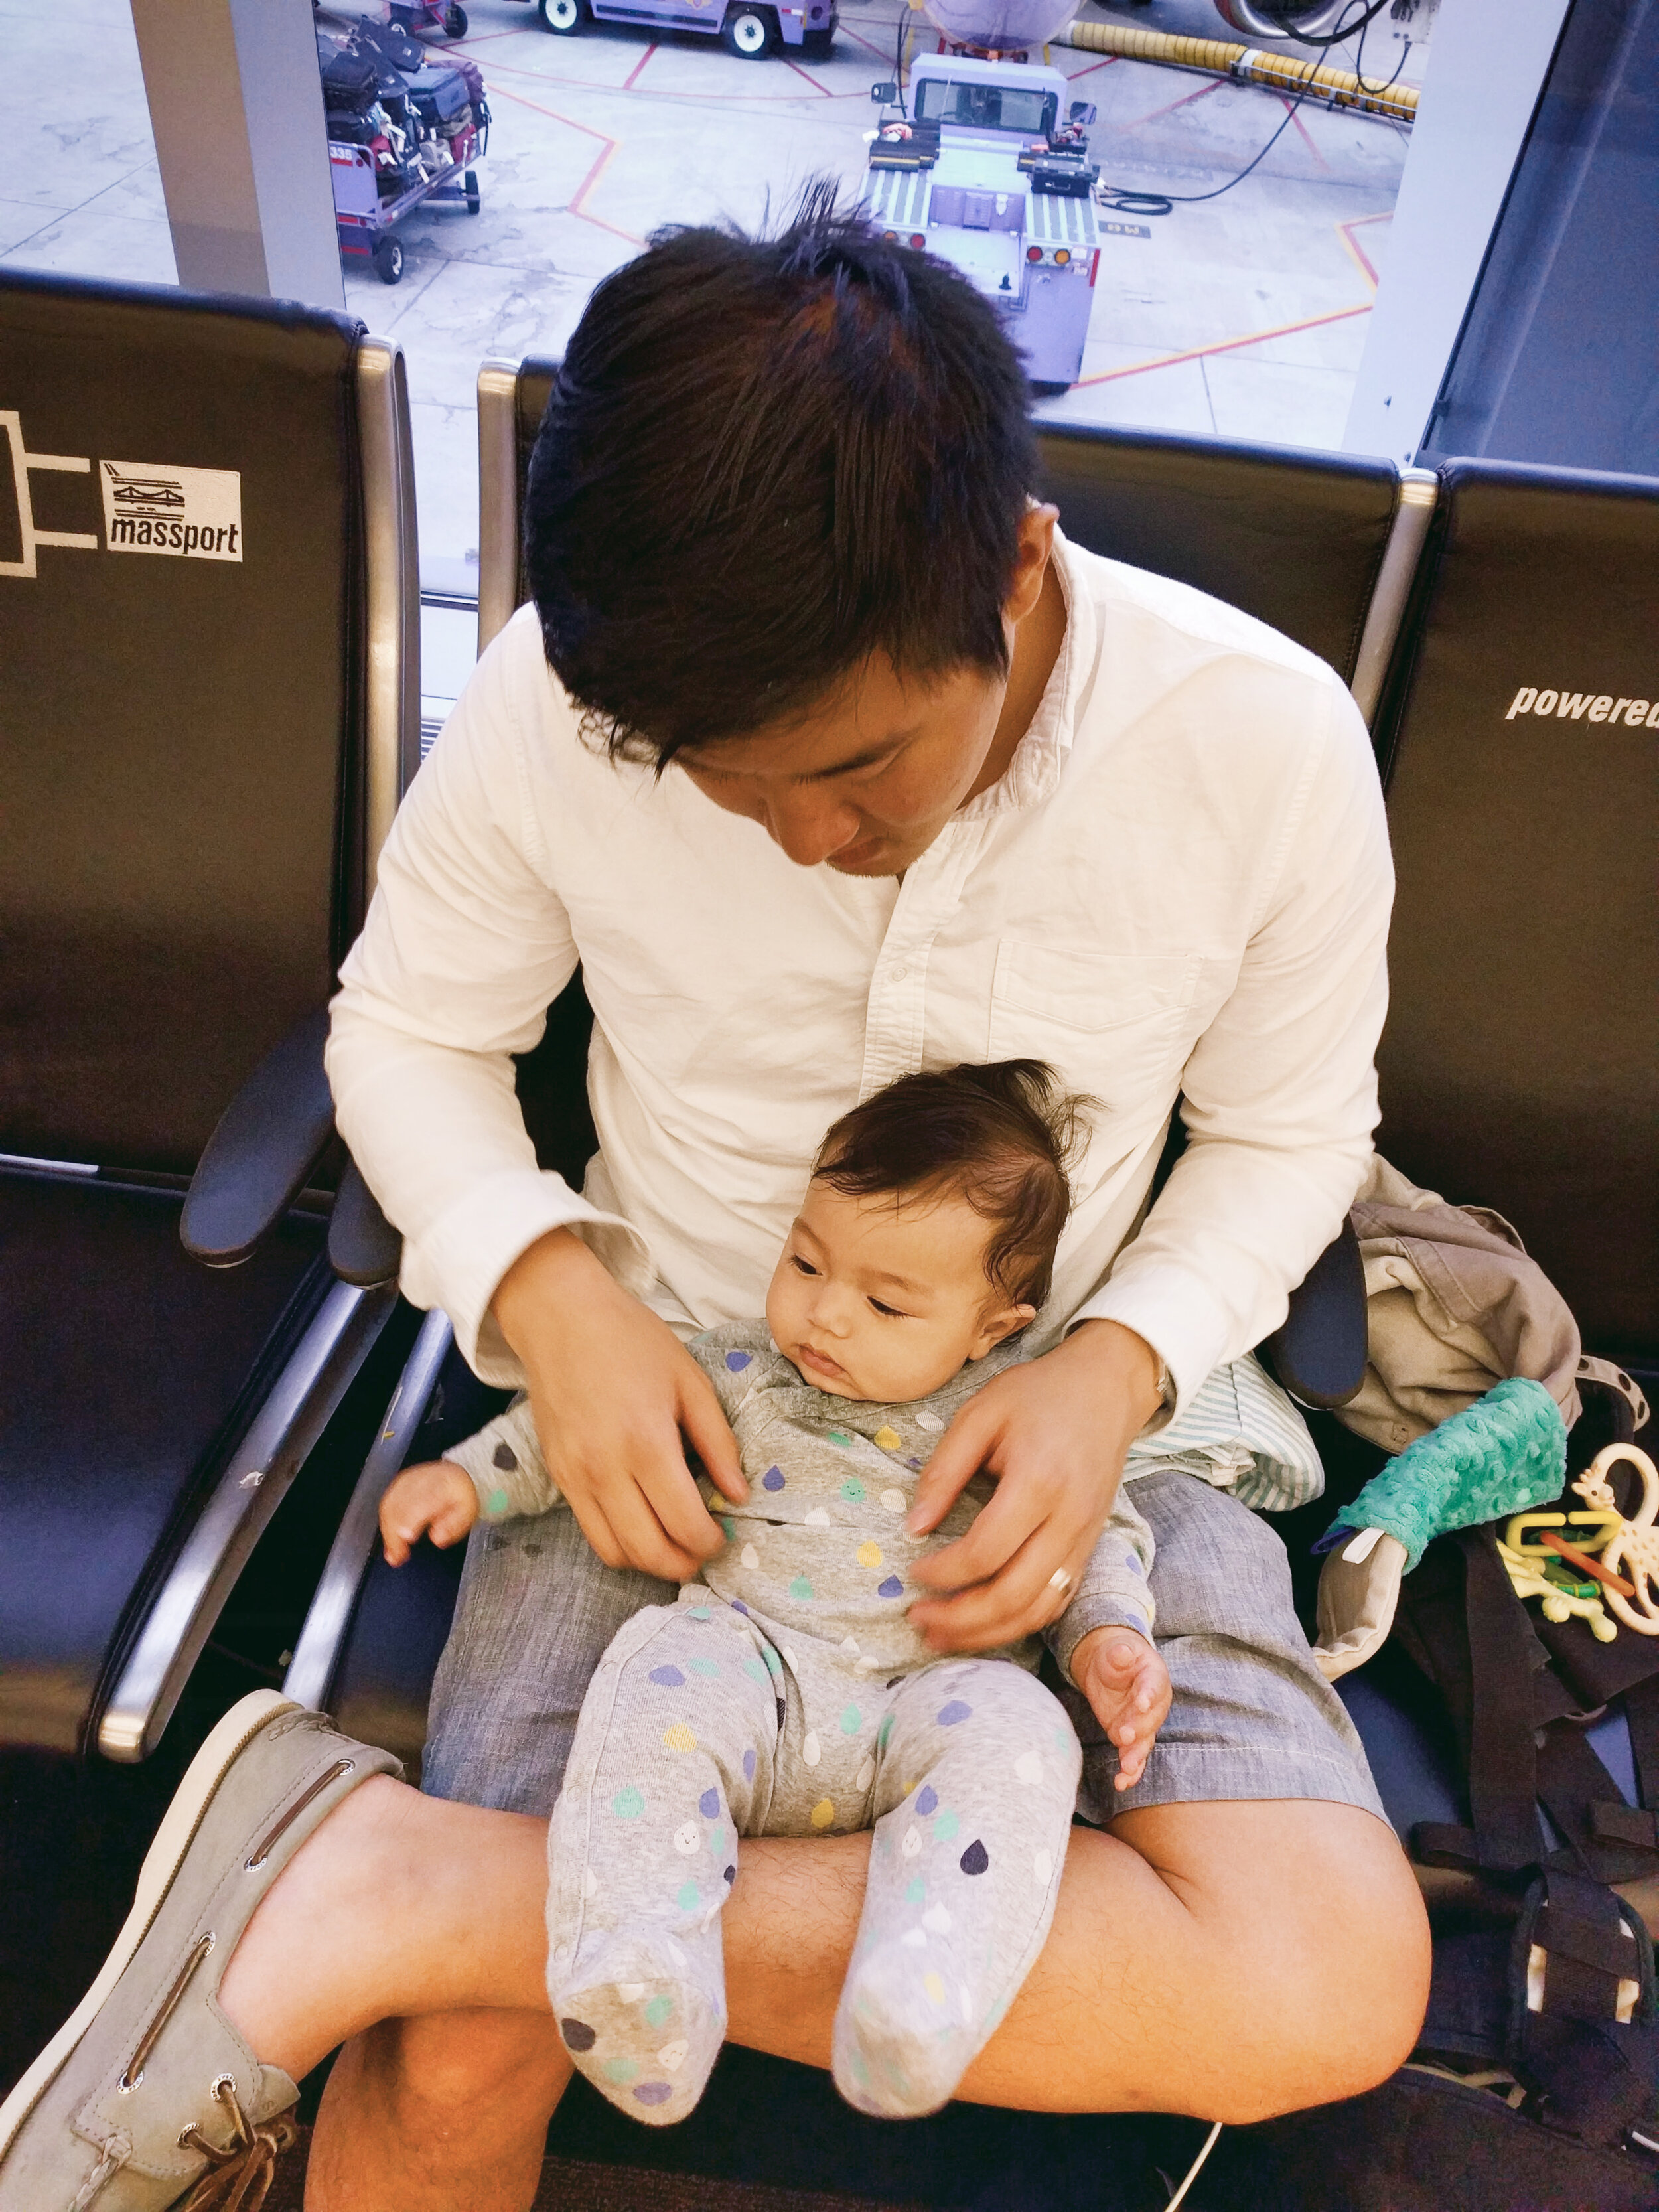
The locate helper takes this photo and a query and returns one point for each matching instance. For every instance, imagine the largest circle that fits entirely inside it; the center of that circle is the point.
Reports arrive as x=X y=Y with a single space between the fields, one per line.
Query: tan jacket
x=1452 y=1306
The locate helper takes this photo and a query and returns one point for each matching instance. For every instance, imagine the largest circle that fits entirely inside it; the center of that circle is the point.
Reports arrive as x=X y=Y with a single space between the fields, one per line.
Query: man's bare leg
x=447 y=2112
x=1228 y=1961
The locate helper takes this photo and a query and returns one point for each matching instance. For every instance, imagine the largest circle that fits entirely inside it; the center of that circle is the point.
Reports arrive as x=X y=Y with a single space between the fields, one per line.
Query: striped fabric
x=1241 y=1433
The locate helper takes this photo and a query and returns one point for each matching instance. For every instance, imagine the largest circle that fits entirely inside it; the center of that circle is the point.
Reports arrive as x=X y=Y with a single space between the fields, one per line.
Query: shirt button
x=896 y=974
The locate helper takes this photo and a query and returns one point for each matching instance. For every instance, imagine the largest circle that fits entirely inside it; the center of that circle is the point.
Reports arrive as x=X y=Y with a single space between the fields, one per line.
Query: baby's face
x=883 y=1298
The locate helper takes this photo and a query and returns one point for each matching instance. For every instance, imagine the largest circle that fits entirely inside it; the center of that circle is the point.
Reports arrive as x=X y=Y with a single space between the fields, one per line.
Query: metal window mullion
x=392 y=613
x=498 y=497
x=1413 y=511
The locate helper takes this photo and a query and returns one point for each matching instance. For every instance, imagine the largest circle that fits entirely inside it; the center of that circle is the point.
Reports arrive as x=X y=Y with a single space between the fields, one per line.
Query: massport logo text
x=192 y=514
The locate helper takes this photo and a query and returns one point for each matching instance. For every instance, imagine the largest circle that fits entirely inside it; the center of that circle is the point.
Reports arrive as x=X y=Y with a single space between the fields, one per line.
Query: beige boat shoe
x=147 y=2097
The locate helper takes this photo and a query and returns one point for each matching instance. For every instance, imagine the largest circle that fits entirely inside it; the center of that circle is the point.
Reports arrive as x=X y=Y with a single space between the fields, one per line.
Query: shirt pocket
x=1112 y=1024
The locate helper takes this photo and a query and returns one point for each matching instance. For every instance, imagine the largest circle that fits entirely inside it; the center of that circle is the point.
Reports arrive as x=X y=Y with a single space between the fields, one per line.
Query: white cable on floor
x=1193 y=2170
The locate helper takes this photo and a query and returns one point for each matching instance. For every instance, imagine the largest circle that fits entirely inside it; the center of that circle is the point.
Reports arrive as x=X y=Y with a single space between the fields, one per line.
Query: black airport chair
x=1517 y=742
x=1322 y=546
x=208 y=704
x=1518 y=1068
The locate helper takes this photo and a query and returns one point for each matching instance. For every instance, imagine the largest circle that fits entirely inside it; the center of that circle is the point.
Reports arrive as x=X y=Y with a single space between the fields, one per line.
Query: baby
x=786 y=1693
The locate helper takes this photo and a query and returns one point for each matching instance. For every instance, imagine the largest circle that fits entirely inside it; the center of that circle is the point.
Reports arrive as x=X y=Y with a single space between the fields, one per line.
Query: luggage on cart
x=393 y=43
x=439 y=96
x=472 y=76
x=351 y=79
x=404 y=129
x=347 y=129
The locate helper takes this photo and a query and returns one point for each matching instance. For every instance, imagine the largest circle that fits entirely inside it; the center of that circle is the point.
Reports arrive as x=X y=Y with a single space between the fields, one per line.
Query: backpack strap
x=1642 y=1710
x=1609 y=1840
x=1466 y=1629
x=1583 y=2042
x=1519 y=1729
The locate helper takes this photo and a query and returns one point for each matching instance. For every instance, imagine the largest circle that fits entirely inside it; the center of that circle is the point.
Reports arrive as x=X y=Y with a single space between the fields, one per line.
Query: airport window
x=1237 y=309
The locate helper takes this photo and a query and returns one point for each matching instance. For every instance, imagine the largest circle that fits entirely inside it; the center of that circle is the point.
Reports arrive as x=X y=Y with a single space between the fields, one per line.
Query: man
x=828 y=758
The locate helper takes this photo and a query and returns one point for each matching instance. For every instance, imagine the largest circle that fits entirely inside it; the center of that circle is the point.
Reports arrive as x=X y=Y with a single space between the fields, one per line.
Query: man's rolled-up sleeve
x=466 y=944
x=1281 y=1092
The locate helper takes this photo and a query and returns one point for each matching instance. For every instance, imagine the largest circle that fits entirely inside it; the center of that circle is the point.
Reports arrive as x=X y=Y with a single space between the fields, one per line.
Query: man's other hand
x=1055 y=1432
x=616 y=1400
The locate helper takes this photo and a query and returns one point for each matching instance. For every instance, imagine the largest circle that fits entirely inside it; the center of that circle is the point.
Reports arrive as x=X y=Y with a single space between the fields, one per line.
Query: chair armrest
x=363 y=1247
x=1319 y=1354
x=267 y=1141
x=277 y=1444
x=328 y=1620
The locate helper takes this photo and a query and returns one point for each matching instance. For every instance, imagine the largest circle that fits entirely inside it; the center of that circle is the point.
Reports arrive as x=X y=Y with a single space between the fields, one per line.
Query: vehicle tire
x=749 y=32
x=455 y=20
x=389 y=260
x=474 y=198
x=564 y=16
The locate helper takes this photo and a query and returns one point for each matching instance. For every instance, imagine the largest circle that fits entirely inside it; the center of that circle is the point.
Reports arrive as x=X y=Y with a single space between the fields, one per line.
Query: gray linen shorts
x=1252 y=1716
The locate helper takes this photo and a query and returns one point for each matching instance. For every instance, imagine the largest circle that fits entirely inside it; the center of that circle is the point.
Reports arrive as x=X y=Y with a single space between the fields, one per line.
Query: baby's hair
x=1001 y=1136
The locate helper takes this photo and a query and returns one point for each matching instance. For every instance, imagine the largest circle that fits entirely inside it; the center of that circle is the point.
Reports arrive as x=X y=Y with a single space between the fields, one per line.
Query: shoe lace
x=239 y=2177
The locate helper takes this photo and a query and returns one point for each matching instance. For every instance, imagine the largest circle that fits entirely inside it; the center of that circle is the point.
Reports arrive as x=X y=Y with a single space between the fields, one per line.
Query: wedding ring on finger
x=1060 y=1580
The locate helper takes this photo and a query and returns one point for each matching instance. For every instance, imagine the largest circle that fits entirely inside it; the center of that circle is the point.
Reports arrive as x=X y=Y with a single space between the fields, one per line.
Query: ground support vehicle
x=751 y=29
x=983 y=172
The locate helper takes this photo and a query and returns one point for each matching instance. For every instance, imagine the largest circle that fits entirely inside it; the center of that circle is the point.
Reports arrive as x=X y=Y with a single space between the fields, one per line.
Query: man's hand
x=436 y=1500
x=616 y=1398
x=1127 y=1686
x=1055 y=1433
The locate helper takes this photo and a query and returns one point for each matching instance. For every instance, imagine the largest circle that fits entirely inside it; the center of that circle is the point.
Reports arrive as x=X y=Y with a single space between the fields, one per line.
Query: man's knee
x=1340 y=2008
x=450 y=2068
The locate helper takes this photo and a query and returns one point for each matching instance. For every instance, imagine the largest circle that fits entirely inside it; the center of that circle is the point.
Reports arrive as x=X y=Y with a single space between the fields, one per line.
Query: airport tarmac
x=1243 y=316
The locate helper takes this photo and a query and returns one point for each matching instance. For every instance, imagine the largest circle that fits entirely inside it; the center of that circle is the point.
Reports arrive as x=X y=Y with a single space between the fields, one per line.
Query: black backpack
x=1535 y=2087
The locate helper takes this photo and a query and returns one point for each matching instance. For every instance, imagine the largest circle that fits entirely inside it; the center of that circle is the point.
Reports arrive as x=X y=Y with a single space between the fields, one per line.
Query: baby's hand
x=436 y=1500
x=1127 y=1686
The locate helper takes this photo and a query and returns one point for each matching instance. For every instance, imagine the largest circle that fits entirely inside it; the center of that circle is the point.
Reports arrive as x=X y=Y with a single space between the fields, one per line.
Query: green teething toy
x=1498 y=1456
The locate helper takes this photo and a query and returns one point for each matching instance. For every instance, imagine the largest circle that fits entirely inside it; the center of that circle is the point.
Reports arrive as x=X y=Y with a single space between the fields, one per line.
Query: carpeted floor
x=576 y=2185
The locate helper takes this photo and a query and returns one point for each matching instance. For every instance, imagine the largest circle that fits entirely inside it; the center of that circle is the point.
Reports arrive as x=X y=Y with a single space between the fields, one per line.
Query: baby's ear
x=997 y=1324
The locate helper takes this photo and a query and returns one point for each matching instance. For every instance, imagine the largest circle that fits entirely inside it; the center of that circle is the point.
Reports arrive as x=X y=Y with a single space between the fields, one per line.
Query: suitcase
x=438 y=94
x=472 y=76
x=392 y=43
x=351 y=80
x=347 y=129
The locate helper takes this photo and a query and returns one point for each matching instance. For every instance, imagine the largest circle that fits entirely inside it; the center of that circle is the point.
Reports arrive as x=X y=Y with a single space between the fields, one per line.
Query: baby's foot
x=638 y=2023
x=906 y=2030
x=1127 y=1686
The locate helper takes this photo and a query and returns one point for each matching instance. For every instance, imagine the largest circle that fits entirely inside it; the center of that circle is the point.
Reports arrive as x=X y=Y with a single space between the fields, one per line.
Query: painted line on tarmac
x=575 y=205
x=1222 y=345
x=812 y=81
x=739 y=102
x=638 y=70
x=1346 y=231
x=1290 y=107
x=1185 y=100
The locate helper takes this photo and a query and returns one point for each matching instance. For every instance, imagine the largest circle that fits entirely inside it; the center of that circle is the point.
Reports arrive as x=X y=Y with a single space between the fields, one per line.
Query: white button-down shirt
x=1181 y=884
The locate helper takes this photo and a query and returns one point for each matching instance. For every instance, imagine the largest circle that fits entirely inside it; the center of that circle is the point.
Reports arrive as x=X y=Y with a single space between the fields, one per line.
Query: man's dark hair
x=766 y=459
x=1002 y=1136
